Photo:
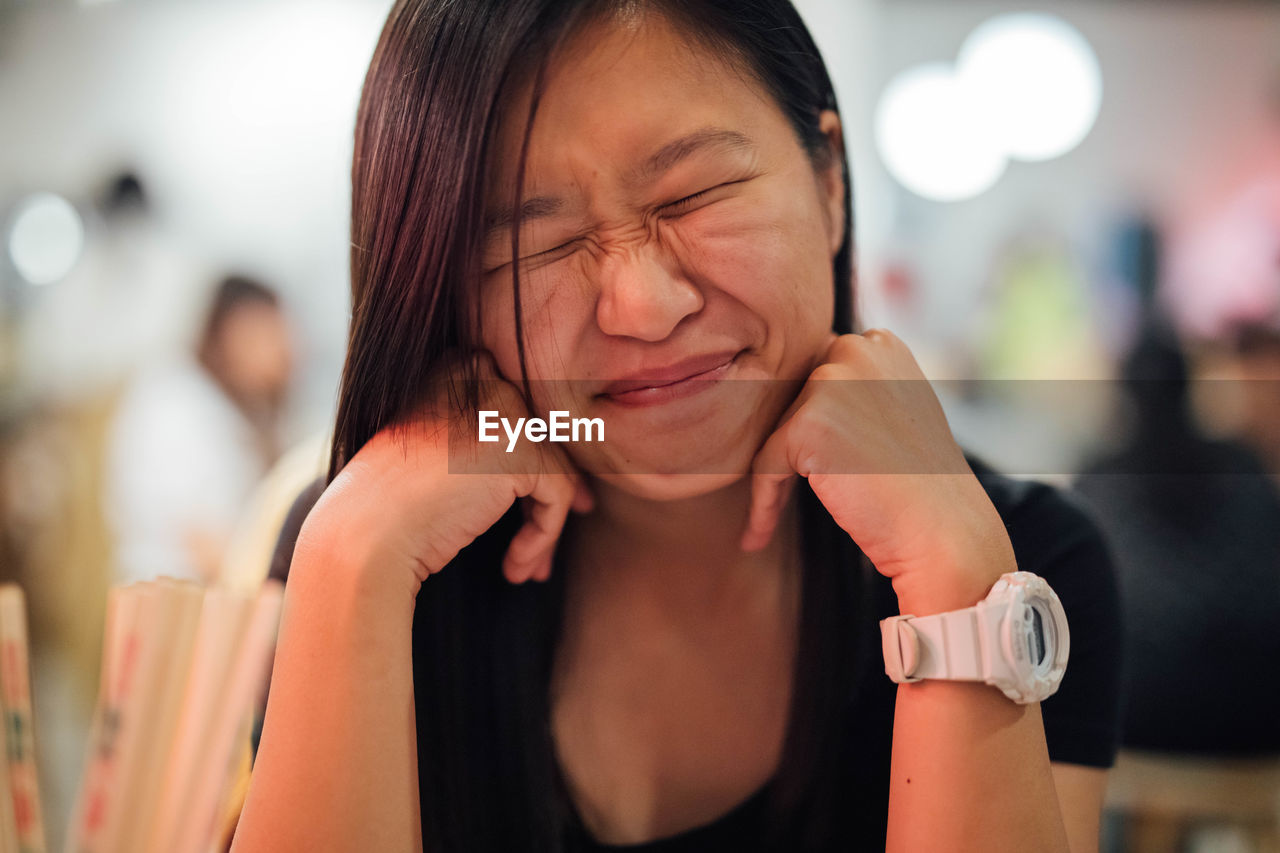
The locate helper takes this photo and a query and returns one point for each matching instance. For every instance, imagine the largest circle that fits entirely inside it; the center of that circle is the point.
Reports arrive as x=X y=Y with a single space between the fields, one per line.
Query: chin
x=671 y=487
x=669 y=471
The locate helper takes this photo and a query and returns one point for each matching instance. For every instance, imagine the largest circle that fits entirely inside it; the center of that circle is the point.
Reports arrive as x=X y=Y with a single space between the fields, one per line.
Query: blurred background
x=1070 y=212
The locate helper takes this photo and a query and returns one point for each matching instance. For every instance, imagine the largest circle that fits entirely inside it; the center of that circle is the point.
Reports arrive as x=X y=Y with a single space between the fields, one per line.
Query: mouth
x=675 y=381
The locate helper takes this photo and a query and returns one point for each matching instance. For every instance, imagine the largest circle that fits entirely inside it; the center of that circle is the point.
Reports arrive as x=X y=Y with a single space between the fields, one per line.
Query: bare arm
x=1081 y=791
x=970 y=771
x=337 y=766
x=970 y=768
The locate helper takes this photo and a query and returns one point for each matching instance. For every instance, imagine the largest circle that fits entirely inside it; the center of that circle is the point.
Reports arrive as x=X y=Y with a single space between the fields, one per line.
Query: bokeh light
x=46 y=238
x=927 y=138
x=1025 y=86
x=1034 y=83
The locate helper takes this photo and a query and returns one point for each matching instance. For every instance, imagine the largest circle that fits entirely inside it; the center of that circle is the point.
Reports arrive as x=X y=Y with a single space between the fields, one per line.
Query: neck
x=677 y=559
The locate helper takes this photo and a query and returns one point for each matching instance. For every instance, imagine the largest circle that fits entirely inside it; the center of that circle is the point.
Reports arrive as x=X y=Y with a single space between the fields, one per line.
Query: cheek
x=497 y=327
x=771 y=258
x=553 y=309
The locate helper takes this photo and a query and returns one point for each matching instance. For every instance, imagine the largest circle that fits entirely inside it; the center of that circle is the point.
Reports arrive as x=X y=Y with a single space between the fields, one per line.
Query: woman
x=638 y=211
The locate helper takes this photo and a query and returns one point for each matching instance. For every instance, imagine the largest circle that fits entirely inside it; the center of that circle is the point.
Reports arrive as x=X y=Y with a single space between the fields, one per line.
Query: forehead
x=619 y=90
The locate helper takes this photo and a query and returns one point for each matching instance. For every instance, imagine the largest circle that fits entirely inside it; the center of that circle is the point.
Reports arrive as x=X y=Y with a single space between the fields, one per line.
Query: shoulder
x=1053 y=530
x=282 y=554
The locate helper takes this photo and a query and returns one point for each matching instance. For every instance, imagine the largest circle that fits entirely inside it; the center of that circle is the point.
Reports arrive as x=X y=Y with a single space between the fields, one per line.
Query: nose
x=641 y=297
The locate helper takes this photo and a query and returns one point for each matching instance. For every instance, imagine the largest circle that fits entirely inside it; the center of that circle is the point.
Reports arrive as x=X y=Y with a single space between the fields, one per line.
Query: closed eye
x=691 y=202
x=675 y=208
x=565 y=245
x=554 y=253
x=545 y=255
x=685 y=204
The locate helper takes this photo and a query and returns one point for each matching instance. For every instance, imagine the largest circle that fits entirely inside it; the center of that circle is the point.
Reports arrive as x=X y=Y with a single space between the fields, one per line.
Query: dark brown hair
x=436 y=87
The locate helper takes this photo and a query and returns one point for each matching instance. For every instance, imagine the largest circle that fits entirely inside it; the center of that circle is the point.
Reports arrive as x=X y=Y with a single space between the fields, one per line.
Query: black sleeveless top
x=1052 y=536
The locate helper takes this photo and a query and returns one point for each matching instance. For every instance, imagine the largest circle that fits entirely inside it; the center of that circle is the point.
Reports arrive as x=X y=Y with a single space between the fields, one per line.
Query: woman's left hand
x=869 y=434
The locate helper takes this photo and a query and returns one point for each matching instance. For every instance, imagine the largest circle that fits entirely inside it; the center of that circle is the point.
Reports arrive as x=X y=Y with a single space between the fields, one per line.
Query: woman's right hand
x=405 y=505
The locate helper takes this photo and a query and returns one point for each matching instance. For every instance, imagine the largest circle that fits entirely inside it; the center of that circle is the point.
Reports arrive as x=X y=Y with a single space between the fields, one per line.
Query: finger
x=543 y=573
x=534 y=543
x=485 y=363
x=547 y=498
x=770 y=472
x=832 y=340
x=765 y=514
x=768 y=496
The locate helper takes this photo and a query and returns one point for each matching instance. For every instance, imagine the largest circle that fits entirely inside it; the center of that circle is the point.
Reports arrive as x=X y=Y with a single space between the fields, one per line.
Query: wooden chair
x=1164 y=799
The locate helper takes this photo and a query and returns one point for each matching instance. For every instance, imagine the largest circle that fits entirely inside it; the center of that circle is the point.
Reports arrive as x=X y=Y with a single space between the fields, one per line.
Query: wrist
x=925 y=596
x=953 y=582
x=956 y=559
x=340 y=564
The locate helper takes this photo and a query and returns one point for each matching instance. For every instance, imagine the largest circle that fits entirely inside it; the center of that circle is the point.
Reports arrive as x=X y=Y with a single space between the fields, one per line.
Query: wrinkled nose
x=640 y=297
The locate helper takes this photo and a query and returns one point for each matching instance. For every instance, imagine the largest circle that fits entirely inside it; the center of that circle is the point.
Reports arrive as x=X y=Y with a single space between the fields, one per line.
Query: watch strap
x=949 y=646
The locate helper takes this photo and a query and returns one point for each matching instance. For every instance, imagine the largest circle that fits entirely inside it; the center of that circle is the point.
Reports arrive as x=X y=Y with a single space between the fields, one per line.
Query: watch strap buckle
x=901 y=648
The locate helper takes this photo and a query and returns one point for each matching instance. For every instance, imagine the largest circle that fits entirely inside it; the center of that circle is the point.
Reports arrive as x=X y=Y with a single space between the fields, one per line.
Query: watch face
x=1035 y=636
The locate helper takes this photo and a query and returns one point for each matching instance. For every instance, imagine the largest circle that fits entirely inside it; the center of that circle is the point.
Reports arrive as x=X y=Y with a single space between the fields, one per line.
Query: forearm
x=970 y=771
x=337 y=764
x=970 y=767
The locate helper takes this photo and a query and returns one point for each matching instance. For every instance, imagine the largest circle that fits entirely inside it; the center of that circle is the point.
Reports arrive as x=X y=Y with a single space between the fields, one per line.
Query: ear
x=831 y=181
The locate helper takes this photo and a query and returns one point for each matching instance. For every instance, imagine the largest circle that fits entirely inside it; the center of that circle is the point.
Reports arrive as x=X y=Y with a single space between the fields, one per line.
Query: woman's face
x=673 y=229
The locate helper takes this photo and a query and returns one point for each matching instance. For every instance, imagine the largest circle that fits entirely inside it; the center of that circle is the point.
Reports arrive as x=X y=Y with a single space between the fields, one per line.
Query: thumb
x=772 y=478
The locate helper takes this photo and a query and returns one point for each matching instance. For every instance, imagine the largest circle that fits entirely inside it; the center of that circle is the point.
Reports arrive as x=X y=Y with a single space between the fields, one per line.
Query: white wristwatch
x=1015 y=639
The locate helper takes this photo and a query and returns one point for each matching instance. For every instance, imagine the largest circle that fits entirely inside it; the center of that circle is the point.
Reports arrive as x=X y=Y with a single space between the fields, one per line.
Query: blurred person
x=192 y=436
x=698 y=663
x=1195 y=524
x=1257 y=363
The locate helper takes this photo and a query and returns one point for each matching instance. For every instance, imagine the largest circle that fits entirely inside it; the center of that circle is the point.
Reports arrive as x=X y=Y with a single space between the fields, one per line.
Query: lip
x=660 y=384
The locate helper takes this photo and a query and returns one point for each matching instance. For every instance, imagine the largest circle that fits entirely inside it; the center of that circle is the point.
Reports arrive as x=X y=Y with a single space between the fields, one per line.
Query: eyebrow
x=673 y=152
x=664 y=159
x=537 y=207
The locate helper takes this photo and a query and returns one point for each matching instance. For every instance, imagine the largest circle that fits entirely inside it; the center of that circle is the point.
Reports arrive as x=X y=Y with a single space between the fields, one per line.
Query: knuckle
x=846 y=345
x=814 y=428
x=827 y=371
x=524 y=481
x=886 y=338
